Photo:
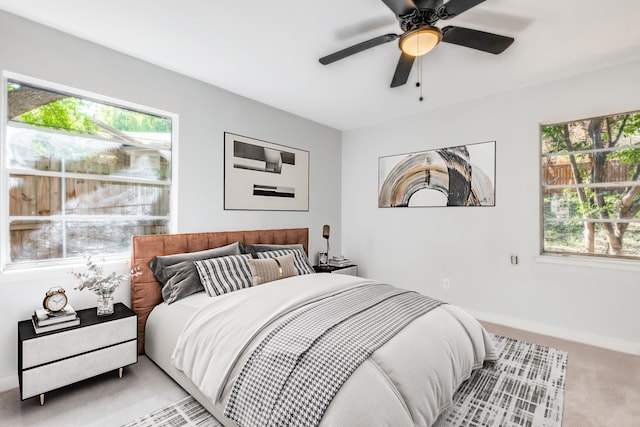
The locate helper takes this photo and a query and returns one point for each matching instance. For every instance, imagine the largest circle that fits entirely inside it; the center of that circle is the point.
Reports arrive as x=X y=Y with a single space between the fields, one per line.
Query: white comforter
x=408 y=381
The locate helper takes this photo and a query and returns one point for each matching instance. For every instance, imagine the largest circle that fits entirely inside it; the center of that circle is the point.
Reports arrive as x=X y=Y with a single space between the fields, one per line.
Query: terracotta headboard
x=145 y=289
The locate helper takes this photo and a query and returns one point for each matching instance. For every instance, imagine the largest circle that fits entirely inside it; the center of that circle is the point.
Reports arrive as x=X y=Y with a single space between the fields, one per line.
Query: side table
x=51 y=360
x=347 y=269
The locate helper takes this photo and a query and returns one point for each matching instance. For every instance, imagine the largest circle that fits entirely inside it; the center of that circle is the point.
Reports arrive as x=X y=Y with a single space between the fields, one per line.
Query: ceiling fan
x=417 y=20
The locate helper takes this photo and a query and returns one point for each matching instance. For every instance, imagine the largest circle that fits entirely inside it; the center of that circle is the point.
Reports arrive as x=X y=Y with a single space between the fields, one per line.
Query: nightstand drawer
x=54 y=375
x=352 y=270
x=49 y=348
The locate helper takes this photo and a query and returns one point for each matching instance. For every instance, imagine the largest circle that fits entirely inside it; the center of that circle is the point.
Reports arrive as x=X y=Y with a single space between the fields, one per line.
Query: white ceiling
x=268 y=50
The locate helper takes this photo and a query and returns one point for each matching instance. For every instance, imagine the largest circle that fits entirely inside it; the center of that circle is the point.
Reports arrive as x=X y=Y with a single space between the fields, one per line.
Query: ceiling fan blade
x=456 y=7
x=476 y=39
x=504 y=22
x=357 y=48
x=400 y=7
x=403 y=69
x=367 y=26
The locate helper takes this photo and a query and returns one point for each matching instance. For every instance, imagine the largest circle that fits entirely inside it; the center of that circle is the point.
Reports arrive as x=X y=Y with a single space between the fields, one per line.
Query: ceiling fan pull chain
x=419 y=71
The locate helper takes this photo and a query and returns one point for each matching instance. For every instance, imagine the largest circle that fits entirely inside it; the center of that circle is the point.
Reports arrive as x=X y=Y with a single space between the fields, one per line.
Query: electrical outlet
x=514 y=259
x=446 y=283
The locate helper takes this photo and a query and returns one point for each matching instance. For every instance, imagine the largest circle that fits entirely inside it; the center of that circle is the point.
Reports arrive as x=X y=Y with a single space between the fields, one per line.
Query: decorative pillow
x=260 y=247
x=268 y=270
x=178 y=275
x=299 y=259
x=225 y=274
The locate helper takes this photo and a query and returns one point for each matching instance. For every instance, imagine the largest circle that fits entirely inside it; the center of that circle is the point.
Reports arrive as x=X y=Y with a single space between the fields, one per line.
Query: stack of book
x=43 y=321
x=339 y=262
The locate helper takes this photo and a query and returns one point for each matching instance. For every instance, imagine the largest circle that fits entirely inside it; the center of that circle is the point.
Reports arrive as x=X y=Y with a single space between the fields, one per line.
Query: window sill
x=591 y=262
x=48 y=269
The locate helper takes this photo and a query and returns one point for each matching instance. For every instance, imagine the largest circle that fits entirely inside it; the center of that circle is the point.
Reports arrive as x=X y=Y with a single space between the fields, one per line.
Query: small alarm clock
x=55 y=300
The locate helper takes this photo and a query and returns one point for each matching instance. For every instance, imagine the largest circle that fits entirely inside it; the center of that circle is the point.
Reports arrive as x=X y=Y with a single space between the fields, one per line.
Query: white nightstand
x=349 y=269
x=54 y=359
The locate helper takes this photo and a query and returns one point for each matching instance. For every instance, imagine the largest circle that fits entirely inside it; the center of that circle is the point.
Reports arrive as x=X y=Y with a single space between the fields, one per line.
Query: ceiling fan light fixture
x=421 y=40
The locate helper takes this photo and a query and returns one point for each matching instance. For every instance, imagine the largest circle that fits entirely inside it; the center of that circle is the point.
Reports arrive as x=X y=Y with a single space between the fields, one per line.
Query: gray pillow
x=178 y=275
x=183 y=281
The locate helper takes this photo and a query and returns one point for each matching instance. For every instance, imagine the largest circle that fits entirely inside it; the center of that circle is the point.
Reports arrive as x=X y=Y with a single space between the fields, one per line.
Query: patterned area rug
x=185 y=412
x=524 y=387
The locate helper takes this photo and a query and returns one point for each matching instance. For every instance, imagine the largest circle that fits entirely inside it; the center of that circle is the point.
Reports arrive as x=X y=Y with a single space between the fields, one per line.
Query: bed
x=210 y=345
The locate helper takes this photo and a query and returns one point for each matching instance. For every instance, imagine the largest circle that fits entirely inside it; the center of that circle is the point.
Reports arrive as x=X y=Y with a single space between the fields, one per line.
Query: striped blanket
x=294 y=373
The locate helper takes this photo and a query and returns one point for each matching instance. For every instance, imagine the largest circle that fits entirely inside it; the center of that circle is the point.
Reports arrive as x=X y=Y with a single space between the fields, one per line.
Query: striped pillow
x=268 y=270
x=299 y=259
x=225 y=274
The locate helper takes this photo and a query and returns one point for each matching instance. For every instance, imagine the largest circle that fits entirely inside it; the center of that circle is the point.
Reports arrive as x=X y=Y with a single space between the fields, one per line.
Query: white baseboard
x=609 y=343
x=7 y=383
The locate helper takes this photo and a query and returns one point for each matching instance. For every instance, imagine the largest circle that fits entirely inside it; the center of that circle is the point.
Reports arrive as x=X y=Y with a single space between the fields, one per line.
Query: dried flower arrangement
x=95 y=281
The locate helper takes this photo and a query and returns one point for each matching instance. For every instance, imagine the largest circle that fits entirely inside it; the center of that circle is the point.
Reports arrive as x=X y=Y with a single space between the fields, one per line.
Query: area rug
x=524 y=387
x=185 y=412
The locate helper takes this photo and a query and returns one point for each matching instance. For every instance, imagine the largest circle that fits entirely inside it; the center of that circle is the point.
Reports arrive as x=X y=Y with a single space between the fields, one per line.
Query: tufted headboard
x=145 y=289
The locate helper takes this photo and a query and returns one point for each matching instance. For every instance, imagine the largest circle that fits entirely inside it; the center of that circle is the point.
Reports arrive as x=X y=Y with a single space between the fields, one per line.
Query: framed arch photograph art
x=452 y=176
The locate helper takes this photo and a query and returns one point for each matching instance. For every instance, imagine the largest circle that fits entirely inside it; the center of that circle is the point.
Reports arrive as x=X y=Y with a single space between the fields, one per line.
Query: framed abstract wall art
x=260 y=175
x=453 y=176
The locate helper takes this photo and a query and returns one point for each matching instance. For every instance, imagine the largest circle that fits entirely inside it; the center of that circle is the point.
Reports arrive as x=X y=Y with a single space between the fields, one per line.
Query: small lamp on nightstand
x=326 y=231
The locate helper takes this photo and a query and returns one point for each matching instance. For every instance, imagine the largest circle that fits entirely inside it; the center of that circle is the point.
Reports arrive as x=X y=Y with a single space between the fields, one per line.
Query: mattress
x=164 y=326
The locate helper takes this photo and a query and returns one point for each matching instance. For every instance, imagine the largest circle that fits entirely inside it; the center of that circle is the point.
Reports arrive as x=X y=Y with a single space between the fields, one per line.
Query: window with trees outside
x=82 y=174
x=591 y=186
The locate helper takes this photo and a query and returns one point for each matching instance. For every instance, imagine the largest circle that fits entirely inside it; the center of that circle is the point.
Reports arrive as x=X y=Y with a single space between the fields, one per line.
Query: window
x=83 y=174
x=591 y=186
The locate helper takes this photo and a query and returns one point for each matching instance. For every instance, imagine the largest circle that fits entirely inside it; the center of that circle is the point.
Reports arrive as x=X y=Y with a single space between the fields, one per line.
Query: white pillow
x=225 y=274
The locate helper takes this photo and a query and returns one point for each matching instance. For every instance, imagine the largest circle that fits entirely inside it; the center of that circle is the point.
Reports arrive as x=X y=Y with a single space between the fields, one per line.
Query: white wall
x=418 y=247
x=205 y=113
